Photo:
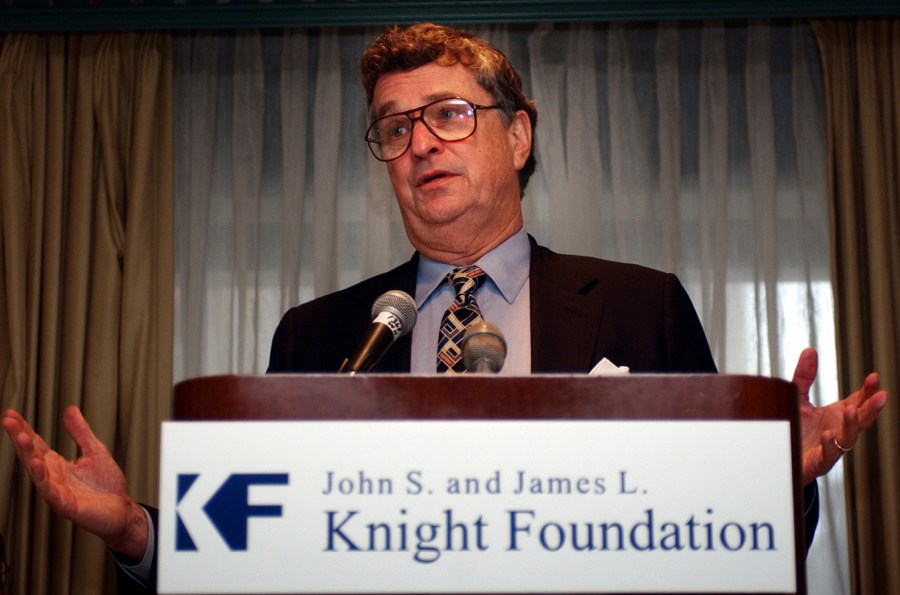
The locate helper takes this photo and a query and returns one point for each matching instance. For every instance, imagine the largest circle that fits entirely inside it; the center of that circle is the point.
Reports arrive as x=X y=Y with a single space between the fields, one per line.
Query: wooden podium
x=377 y=397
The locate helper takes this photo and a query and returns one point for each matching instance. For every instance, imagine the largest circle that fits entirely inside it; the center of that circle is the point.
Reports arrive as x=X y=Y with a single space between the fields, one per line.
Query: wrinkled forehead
x=403 y=90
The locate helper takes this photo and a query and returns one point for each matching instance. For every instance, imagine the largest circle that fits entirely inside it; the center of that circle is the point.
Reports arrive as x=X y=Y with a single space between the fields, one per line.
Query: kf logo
x=228 y=509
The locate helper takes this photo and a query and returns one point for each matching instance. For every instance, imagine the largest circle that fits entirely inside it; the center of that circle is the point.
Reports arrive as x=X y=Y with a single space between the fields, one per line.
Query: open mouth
x=427 y=179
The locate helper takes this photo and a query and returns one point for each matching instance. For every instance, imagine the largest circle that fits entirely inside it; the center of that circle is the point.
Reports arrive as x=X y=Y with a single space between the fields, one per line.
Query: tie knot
x=466 y=279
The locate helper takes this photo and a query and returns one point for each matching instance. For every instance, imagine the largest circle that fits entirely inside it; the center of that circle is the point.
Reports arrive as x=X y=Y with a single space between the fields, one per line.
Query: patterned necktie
x=463 y=312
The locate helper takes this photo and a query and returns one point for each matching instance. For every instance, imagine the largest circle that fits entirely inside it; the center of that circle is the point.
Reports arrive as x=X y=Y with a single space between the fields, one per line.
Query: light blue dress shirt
x=503 y=298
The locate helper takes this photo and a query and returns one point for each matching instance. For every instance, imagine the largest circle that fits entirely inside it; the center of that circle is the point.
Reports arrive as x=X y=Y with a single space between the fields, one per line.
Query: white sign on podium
x=476 y=506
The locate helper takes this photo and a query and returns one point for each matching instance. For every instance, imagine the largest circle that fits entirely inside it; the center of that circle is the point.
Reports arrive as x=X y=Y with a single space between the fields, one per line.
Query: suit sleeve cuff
x=139 y=570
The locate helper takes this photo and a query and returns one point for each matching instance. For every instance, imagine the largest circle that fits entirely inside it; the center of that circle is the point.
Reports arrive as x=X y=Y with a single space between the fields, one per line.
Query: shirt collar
x=507 y=267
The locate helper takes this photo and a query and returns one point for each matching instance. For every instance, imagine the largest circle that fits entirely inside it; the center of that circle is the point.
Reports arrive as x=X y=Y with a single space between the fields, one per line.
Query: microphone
x=393 y=315
x=484 y=349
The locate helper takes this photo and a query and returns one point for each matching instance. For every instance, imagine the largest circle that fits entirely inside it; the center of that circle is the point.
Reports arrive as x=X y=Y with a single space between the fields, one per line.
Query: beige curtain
x=85 y=273
x=861 y=63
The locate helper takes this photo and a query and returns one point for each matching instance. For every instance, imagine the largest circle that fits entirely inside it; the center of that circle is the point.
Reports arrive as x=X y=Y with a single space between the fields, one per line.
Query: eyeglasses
x=450 y=120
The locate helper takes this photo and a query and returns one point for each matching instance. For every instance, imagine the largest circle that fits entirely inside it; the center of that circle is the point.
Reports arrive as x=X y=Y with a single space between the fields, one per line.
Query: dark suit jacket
x=582 y=310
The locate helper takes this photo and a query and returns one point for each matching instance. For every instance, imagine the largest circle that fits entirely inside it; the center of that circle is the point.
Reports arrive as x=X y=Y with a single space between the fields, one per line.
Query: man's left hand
x=830 y=431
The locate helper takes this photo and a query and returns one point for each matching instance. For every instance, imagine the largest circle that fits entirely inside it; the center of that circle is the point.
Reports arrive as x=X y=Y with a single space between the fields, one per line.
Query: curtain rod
x=100 y=15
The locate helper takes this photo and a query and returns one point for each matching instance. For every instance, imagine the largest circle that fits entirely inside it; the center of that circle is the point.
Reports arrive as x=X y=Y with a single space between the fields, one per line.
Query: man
x=455 y=130
x=460 y=198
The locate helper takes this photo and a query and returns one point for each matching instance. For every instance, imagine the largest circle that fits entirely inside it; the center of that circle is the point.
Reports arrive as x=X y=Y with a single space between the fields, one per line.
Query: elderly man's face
x=458 y=199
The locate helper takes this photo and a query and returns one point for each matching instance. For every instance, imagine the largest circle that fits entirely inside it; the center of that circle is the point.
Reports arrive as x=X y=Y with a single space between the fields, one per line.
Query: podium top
x=406 y=396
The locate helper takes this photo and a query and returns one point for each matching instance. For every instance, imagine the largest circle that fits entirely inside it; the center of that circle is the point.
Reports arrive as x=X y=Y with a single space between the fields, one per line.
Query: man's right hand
x=90 y=491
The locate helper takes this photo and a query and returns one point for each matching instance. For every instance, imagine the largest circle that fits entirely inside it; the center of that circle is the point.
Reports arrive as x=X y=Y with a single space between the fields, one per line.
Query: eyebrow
x=391 y=106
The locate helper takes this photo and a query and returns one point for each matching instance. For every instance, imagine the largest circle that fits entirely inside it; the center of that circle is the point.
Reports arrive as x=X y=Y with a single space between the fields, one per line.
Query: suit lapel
x=566 y=310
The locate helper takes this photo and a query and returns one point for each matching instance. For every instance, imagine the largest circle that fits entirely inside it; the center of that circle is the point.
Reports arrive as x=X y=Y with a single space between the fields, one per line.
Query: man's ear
x=519 y=132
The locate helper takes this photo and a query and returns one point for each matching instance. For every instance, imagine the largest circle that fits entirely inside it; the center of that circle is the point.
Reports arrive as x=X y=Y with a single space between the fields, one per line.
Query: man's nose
x=422 y=141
